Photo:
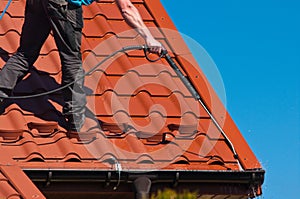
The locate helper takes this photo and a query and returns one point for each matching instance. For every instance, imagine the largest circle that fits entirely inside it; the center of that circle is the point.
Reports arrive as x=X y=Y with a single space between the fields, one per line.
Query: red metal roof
x=13 y=180
x=141 y=114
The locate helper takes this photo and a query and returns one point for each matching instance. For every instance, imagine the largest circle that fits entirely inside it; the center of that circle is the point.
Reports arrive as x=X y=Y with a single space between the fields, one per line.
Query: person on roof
x=64 y=18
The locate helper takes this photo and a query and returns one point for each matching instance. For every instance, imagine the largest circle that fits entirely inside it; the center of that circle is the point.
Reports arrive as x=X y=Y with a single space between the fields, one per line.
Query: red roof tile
x=7 y=191
x=13 y=180
x=149 y=120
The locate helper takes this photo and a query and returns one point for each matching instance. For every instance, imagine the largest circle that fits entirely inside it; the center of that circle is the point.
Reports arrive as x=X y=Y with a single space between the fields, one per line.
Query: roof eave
x=204 y=182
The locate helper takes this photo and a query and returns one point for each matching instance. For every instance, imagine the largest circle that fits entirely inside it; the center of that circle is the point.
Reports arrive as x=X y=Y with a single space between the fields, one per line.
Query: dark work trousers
x=66 y=22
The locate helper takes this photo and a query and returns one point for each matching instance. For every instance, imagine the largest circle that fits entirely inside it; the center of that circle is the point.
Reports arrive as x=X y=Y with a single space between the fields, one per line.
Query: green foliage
x=171 y=194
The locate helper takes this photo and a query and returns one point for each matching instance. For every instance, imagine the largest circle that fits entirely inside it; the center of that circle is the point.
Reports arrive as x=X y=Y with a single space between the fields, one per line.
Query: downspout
x=142 y=187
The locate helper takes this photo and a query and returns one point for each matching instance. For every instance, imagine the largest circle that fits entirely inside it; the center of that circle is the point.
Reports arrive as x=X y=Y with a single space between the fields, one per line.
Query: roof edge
x=17 y=177
x=241 y=182
x=208 y=95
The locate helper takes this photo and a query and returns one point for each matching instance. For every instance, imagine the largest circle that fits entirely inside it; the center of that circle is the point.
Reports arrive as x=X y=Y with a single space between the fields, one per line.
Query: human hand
x=154 y=46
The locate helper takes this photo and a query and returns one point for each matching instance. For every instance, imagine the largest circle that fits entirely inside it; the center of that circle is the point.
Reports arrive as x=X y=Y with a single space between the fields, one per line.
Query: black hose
x=165 y=54
x=124 y=49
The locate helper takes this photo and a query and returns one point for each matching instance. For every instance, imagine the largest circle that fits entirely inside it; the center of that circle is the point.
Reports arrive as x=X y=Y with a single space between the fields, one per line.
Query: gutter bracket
x=49 y=178
x=108 y=179
x=176 y=180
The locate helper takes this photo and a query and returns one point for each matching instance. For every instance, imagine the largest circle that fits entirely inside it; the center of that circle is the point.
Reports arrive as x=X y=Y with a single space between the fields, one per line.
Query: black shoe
x=75 y=122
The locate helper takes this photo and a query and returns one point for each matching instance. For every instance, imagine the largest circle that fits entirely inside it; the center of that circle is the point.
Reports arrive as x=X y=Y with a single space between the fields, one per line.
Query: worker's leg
x=35 y=30
x=67 y=25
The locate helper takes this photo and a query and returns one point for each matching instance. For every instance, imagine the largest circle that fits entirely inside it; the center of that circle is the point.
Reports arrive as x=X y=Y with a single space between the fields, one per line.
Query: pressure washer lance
x=197 y=97
x=164 y=54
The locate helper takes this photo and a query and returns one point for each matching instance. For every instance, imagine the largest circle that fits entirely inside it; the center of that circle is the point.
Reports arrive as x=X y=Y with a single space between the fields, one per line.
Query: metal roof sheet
x=140 y=113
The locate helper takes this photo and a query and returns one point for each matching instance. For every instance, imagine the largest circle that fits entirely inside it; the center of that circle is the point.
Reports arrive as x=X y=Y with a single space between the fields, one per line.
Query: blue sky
x=256 y=47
